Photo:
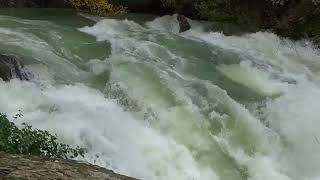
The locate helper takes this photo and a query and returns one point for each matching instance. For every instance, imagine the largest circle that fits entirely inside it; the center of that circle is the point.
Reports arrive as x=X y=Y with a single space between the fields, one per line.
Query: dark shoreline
x=292 y=21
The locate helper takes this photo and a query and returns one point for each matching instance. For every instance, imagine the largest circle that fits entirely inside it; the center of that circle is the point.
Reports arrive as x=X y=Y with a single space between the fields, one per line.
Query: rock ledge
x=32 y=168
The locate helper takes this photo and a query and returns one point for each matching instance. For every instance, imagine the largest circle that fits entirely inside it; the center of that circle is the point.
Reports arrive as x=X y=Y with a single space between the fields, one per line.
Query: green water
x=150 y=103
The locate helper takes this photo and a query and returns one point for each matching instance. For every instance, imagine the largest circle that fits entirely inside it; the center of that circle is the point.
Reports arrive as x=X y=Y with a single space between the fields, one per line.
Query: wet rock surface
x=11 y=67
x=30 y=167
x=183 y=23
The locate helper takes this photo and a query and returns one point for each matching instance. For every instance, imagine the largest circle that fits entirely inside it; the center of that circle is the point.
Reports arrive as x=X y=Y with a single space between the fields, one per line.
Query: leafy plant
x=30 y=141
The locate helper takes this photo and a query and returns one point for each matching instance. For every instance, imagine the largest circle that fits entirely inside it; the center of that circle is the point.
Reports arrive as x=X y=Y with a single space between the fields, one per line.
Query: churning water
x=154 y=104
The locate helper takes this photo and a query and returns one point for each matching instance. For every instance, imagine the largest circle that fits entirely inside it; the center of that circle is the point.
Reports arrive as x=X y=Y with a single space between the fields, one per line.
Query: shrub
x=98 y=7
x=30 y=141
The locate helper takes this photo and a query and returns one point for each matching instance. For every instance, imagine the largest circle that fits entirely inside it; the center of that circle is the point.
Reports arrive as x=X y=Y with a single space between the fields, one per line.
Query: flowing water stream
x=148 y=102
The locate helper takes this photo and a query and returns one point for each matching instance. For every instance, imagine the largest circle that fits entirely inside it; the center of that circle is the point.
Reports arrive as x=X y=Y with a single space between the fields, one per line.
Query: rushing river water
x=150 y=103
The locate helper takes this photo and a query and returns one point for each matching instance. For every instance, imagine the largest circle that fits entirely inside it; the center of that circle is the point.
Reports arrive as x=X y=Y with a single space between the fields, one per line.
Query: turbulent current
x=150 y=103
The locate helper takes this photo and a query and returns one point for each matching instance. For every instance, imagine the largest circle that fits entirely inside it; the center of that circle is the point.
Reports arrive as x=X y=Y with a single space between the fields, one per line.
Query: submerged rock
x=183 y=23
x=10 y=68
x=30 y=167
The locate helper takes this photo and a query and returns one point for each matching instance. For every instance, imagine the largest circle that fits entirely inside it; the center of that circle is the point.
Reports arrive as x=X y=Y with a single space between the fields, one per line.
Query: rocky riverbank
x=31 y=167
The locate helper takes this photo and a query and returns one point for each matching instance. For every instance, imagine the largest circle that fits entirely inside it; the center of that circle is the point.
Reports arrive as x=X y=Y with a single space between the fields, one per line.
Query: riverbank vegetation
x=98 y=7
x=30 y=141
x=295 y=19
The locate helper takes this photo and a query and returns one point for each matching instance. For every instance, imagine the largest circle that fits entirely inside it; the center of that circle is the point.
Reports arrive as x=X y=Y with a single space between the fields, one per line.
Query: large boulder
x=11 y=67
x=183 y=23
x=31 y=167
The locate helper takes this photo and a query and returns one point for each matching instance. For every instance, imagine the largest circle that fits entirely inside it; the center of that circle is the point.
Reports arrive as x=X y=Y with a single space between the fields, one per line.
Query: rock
x=183 y=23
x=10 y=68
x=33 y=168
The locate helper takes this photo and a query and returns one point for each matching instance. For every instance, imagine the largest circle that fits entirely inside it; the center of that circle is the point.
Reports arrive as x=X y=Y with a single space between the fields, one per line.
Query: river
x=150 y=103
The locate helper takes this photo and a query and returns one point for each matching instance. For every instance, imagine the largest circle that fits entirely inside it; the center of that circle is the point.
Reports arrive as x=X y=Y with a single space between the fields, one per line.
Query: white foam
x=166 y=23
x=295 y=116
x=255 y=79
x=180 y=144
x=268 y=49
x=114 y=139
x=178 y=120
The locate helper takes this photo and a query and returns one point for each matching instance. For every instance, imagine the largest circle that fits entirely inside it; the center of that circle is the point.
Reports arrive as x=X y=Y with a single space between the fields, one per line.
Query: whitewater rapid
x=163 y=105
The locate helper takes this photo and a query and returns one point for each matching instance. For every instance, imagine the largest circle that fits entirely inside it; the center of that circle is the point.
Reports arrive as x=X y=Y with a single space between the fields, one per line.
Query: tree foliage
x=30 y=141
x=98 y=7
